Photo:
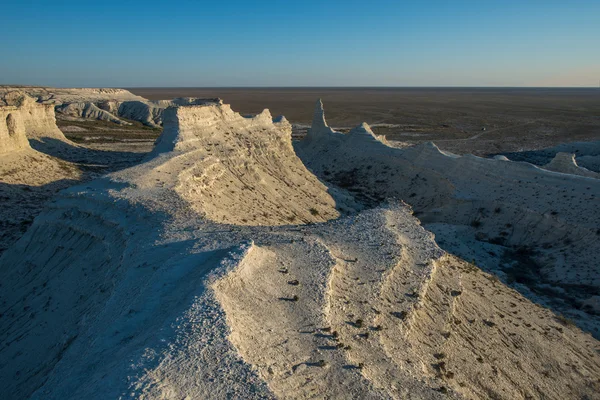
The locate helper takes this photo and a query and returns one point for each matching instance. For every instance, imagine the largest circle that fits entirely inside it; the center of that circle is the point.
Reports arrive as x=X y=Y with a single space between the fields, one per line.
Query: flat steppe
x=514 y=119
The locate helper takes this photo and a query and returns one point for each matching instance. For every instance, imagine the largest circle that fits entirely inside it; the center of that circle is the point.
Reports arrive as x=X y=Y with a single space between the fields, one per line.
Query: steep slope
x=13 y=136
x=37 y=120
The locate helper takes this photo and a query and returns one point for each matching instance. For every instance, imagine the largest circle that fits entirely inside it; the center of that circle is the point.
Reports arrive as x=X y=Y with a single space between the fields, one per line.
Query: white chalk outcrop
x=112 y=105
x=222 y=268
x=12 y=123
x=27 y=177
x=566 y=164
x=37 y=120
x=246 y=164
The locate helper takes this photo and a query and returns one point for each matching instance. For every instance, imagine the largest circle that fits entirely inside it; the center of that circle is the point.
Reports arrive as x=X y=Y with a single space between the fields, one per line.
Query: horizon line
x=302 y=87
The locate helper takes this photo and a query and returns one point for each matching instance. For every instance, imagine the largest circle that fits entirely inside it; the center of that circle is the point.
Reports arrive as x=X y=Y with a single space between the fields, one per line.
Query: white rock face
x=12 y=123
x=233 y=170
x=38 y=120
x=566 y=164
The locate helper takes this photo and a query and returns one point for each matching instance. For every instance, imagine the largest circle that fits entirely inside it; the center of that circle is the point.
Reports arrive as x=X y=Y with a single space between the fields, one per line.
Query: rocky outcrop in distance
x=587 y=155
x=565 y=163
x=112 y=105
x=23 y=119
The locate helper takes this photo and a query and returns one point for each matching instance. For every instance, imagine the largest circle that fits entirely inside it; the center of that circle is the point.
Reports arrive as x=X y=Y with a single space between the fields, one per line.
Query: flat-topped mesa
x=566 y=164
x=184 y=127
x=182 y=124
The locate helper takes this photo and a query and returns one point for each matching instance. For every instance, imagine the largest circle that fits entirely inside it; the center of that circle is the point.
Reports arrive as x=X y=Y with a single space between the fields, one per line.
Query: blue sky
x=300 y=43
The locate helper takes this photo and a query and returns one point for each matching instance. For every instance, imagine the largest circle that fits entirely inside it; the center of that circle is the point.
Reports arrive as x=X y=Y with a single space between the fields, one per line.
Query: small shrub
x=400 y=315
x=476 y=223
x=314 y=211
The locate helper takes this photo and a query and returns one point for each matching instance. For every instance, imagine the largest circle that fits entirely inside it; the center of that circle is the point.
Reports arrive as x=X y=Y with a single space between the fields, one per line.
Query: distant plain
x=514 y=119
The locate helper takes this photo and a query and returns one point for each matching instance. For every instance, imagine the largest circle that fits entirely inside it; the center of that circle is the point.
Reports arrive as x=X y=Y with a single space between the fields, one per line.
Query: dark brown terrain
x=514 y=119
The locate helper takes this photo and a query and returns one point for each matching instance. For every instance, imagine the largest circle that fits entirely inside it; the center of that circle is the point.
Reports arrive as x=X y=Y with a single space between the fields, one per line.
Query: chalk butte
x=130 y=286
x=12 y=123
x=242 y=170
x=37 y=120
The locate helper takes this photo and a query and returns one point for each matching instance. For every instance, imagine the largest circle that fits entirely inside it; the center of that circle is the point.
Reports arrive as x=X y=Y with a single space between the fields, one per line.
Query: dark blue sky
x=301 y=43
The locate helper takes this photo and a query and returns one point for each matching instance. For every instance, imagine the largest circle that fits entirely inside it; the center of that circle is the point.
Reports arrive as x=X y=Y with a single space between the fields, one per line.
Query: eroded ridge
x=373 y=294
